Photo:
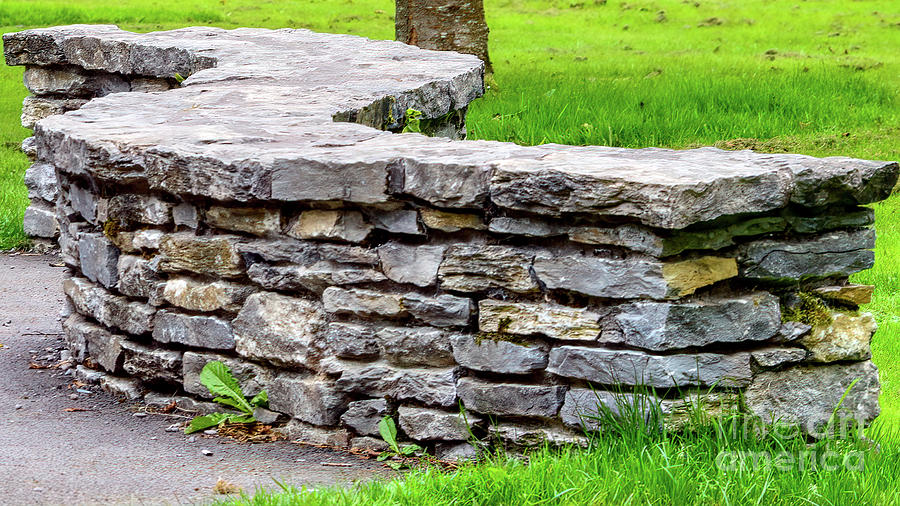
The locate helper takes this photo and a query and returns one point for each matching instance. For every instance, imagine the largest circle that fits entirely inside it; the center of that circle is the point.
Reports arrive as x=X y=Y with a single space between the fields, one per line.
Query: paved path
x=107 y=455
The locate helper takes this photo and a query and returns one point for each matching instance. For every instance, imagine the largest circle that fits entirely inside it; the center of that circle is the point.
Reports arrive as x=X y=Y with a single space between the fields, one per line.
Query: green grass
x=815 y=76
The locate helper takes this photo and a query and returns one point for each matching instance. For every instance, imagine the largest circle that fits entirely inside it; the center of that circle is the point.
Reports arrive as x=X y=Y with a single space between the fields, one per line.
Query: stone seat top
x=292 y=115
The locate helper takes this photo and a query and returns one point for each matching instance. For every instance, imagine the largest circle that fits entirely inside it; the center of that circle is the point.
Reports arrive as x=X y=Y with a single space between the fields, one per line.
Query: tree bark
x=444 y=25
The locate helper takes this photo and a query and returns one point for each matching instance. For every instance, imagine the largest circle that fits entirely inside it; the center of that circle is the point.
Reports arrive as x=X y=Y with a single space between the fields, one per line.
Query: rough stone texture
x=152 y=364
x=627 y=367
x=507 y=399
x=417 y=265
x=348 y=340
x=280 y=329
x=207 y=190
x=551 y=320
x=130 y=388
x=363 y=416
x=853 y=295
x=424 y=424
x=845 y=338
x=195 y=295
x=834 y=254
x=363 y=302
x=662 y=326
x=479 y=268
x=441 y=311
x=252 y=378
x=215 y=255
x=415 y=346
x=307 y=399
x=347 y=226
x=585 y=408
x=197 y=331
x=808 y=395
x=110 y=310
x=435 y=387
x=99 y=259
x=497 y=355
x=104 y=347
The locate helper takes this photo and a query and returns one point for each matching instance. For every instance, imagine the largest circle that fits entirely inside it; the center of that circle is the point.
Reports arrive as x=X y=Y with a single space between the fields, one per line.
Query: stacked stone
x=467 y=288
x=57 y=89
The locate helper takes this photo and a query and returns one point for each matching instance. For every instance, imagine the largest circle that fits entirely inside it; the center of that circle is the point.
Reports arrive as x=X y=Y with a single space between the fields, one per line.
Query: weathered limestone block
x=40 y=220
x=425 y=424
x=35 y=109
x=310 y=400
x=110 y=310
x=196 y=295
x=451 y=222
x=279 y=329
x=252 y=377
x=417 y=265
x=528 y=227
x=186 y=215
x=441 y=311
x=315 y=278
x=401 y=221
x=152 y=364
x=846 y=337
x=415 y=346
x=253 y=220
x=73 y=82
x=104 y=347
x=631 y=278
x=434 y=387
x=710 y=405
x=628 y=235
x=363 y=416
x=498 y=356
x=129 y=388
x=349 y=340
x=198 y=331
x=660 y=326
x=808 y=395
x=139 y=277
x=40 y=178
x=136 y=208
x=363 y=302
x=525 y=318
x=476 y=268
x=138 y=241
x=852 y=295
x=99 y=259
x=773 y=356
x=627 y=367
x=83 y=201
x=29 y=147
x=837 y=254
x=535 y=435
x=349 y=226
x=213 y=255
x=508 y=399
x=449 y=182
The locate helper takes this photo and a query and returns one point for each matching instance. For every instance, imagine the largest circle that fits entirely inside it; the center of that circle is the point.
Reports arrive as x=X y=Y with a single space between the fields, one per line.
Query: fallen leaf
x=226 y=487
x=70 y=410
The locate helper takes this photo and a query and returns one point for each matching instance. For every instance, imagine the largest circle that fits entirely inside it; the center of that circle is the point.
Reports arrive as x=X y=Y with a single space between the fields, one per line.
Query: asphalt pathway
x=106 y=455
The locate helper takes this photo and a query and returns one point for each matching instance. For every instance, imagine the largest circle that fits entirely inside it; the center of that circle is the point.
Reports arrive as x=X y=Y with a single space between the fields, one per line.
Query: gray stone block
x=415 y=346
x=426 y=424
x=498 y=356
x=364 y=303
x=434 y=387
x=363 y=416
x=40 y=178
x=110 y=310
x=197 y=331
x=99 y=259
x=153 y=365
x=280 y=329
x=417 y=265
x=551 y=320
x=836 y=254
x=508 y=399
x=40 y=221
x=310 y=400
x=475 y=268
x=348 y=340
x=251 y=377
x=441 y=311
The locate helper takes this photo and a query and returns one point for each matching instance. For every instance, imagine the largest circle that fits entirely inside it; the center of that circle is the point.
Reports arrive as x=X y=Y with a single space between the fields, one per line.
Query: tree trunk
x=444 y=25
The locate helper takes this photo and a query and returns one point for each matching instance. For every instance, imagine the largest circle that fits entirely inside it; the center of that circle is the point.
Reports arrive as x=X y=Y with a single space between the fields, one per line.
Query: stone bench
x=265 y=212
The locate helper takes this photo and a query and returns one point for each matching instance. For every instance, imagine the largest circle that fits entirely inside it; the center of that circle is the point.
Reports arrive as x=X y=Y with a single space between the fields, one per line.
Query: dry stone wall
x=265 y=214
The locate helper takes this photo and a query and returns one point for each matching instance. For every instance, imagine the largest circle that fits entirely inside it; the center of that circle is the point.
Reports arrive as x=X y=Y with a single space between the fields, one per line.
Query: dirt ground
x=106 y=454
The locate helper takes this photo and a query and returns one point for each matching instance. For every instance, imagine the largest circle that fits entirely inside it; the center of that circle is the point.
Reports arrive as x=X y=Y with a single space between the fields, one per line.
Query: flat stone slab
x=288 y=115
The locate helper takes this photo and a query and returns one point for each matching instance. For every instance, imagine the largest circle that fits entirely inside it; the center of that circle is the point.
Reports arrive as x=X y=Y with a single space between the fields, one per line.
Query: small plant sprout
x=216 y=377
x=388 y=430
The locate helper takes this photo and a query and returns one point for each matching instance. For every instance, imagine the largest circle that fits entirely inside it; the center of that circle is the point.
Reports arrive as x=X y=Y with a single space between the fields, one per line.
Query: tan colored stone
x=253 y=220
x=451 y=222
x=215 y=255
x=347 y=226
x=855 y=295
x=845 y=338
x=687 y=276
x=197 y=295
x=551 y=320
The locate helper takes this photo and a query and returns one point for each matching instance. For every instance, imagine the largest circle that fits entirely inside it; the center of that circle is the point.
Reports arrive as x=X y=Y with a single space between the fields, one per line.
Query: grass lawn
x=820 y=77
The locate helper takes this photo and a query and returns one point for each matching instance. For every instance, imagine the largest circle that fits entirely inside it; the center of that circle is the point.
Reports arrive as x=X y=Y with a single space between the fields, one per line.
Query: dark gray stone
x=498 y=356
x=99 y=259
x=139 y=277
x=425 y=424
x=40 y=221
x=508 y=399
x=136 y=208
x=435 y=387
x=40 y=178
x=836 y=254
x=585 y=408
x=441 y=311
x=349 y=340
x=774 y=356
x=363 y=416
x=415 y=346
x=310 y=400
x=315 y=278
x=152 y=364
x=198 y=331
x=87 y=339
x=108 y=309
x=401 y=221
x=251 y=377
